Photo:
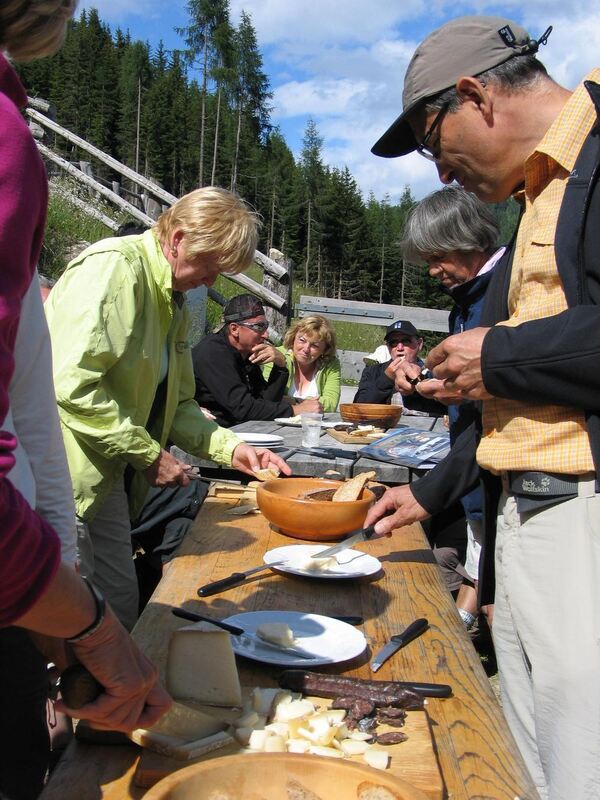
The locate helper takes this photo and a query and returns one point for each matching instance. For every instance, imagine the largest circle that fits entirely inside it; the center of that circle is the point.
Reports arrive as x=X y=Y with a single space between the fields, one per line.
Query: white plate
x=330 y=640
x=351 y=563
x=262 y=439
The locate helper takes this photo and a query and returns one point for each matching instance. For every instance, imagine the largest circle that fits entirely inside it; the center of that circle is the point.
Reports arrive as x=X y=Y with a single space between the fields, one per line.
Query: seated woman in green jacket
x=123 y=374
x=314 y=370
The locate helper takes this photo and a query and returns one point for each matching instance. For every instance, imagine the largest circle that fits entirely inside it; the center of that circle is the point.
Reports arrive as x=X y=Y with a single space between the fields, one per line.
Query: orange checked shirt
x=518 y=435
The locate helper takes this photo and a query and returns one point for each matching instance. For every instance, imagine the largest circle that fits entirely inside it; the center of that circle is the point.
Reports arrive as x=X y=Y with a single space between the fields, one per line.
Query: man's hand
x=457 y=361
x=167 y=471
x=312 y=405
x=434 y=389
x=400 y=371
x=401 y=506
x=265 y=353
x=248 y=459
x=132 y=696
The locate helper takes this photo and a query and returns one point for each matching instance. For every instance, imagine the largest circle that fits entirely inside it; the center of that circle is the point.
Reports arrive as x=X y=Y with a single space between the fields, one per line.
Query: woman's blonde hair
x=32 y=29
x=314 y=327
x=214 y=222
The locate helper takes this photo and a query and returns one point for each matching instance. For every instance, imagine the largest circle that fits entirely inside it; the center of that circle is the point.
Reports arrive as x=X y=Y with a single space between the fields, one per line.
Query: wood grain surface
x=476 y=753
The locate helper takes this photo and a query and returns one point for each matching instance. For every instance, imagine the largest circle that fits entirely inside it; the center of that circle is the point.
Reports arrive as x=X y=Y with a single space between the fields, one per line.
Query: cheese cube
x=201 y=666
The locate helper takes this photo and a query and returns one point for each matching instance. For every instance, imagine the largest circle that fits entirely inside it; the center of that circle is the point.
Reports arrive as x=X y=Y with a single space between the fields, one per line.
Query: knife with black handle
x=415 y=629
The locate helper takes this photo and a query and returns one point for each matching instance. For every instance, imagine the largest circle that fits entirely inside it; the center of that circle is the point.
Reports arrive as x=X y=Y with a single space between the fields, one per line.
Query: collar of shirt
x=558 y=151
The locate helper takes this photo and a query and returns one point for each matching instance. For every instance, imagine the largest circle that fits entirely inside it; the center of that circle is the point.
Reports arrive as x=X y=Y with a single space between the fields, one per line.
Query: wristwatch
x=99 y=618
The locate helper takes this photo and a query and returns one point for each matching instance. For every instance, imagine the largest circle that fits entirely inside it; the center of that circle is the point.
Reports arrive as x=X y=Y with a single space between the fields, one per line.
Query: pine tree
x=206 y=17
x=251 y=89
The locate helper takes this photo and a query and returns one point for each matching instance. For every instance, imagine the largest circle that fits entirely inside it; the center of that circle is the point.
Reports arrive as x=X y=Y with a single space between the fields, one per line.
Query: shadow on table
x=424 y=556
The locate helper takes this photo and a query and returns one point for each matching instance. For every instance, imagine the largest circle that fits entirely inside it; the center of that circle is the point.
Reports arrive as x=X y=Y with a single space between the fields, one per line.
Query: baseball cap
x=464 y=46
x=401 y=327
x=242 y=306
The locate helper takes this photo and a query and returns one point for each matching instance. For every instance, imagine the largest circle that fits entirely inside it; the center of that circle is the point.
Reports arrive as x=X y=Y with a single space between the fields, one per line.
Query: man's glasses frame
x=423 y=146
x=257 y=327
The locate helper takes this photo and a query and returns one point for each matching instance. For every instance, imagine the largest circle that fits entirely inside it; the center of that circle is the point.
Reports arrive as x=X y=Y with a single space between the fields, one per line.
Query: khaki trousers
x=104 y=550
x=547 y=637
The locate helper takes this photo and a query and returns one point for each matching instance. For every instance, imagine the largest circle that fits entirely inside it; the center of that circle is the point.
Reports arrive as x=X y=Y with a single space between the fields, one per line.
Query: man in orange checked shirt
x=479 y=104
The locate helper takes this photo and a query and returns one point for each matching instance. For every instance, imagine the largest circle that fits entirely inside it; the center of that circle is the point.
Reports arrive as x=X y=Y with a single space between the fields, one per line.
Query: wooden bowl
x=378 y=414
x=265 y=775
x=317 y=520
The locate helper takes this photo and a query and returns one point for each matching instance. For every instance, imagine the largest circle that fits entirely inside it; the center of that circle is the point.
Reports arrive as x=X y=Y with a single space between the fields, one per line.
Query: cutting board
x=414 y=760
x=352 y=438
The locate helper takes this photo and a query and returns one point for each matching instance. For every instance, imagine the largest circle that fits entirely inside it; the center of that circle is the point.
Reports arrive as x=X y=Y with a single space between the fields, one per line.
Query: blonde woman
x=313 y=367
x=123 y=373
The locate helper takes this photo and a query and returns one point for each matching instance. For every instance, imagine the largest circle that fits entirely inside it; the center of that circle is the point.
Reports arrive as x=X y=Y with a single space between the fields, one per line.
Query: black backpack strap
x=569 y=242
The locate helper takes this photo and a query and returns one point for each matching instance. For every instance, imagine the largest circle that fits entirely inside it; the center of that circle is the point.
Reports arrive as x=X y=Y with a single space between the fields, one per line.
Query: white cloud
x=342 y=62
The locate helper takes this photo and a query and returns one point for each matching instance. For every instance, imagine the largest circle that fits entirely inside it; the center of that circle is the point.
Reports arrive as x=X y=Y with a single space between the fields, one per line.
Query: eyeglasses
x=259 y=327
x=423 y=147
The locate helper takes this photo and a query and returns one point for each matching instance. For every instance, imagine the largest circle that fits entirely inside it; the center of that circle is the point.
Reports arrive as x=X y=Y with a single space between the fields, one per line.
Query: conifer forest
x=201 y=115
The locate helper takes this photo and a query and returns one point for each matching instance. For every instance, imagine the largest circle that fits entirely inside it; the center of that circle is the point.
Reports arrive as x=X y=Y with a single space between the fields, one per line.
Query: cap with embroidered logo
x=466 y=46
x=402 y=327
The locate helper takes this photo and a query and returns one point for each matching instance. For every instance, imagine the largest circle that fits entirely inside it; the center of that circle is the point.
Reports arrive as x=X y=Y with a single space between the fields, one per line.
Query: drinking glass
x=311 y=429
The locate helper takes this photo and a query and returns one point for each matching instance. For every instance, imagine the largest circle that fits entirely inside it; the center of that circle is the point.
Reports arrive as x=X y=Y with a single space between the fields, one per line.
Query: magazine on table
x=411 y=447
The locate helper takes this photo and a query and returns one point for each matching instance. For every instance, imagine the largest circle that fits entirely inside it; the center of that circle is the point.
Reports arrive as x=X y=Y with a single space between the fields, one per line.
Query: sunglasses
x=258 y=327
x=423 y=147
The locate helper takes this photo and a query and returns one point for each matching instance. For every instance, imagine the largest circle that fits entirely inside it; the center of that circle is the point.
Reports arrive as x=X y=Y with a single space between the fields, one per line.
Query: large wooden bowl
x=317 y=520
x=378 y=414
x=263 y=776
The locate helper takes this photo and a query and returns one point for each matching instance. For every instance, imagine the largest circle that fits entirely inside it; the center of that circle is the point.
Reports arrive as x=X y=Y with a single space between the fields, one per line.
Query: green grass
x=68 y=230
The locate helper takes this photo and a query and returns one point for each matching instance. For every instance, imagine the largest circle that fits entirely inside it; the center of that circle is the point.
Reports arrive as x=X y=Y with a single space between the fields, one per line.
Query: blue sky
x=342 y=62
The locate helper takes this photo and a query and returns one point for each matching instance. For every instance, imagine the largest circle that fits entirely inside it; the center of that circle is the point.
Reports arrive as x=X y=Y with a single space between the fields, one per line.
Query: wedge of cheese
x=277 y=633
x=201 y=666
x=183 y=733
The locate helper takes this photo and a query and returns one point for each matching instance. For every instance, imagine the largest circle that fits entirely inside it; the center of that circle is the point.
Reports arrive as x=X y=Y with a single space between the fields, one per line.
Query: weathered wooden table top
x=316 y=466
x=476 y=752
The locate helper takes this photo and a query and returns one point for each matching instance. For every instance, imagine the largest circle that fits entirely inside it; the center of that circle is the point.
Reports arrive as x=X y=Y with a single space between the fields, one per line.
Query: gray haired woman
x=456 y=235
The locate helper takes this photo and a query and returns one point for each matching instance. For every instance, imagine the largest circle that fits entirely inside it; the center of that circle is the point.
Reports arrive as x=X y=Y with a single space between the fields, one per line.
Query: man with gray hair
x=480 y=105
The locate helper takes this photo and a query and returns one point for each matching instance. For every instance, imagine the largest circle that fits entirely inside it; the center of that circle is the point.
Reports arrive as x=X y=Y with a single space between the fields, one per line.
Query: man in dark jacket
x=227 y=368
x=481 y=106
x=404 y=343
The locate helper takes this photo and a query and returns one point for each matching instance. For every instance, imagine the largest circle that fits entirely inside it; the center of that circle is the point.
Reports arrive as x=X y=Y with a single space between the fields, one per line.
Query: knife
x=363 y=535
x=235 y=579
x=415 y=629
x=327 y=452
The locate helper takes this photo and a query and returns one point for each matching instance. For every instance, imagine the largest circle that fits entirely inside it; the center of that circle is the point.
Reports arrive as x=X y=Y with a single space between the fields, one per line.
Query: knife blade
x=258 y=642
x=363 y=535
x=399 y=640
x=328 y=452
x=235 y=579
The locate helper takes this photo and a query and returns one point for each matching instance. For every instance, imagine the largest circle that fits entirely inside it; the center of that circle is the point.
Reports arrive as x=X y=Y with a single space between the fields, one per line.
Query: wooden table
x=315 y=466
x=477 y=755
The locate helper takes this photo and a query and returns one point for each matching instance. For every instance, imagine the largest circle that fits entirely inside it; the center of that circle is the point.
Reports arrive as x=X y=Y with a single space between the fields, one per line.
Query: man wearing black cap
x=227 y=368
x=404 y=343
x=481 y=107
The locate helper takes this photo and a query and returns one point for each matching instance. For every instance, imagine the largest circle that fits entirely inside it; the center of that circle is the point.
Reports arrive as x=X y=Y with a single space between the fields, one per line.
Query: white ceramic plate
x=262 y=439
x=330 y=640
x=351 y=563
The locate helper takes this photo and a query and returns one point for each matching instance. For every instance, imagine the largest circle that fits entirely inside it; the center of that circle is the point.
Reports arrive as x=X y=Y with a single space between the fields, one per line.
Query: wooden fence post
x=279 y=319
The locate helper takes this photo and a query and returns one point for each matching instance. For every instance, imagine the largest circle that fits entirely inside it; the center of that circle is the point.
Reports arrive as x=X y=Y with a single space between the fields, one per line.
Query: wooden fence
x=144 y=202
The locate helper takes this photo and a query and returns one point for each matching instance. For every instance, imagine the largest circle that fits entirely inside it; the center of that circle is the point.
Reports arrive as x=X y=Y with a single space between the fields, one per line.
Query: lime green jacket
x=328 y=377
x=110 y=315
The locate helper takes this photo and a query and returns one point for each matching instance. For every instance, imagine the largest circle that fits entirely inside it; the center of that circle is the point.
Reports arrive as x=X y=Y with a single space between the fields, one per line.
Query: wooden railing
x=275 y=291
